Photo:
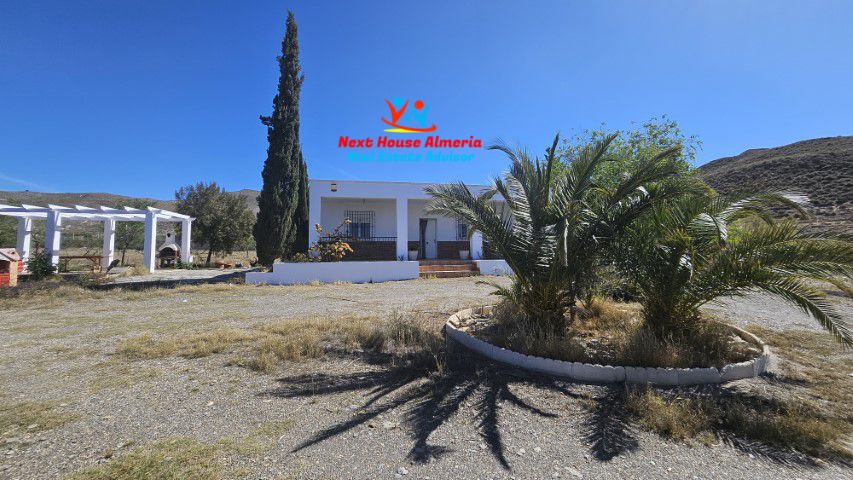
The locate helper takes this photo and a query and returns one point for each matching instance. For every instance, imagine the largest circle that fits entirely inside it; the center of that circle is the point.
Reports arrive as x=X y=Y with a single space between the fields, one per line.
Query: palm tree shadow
x=429 y=400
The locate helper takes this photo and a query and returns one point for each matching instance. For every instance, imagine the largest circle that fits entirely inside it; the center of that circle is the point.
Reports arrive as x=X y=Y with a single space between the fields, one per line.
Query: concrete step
x=450 y=274
x=445 y=262
x=454 y=268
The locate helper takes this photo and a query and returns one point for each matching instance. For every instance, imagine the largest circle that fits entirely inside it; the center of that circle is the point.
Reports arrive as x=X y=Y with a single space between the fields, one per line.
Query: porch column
x=149 y=249
x=315 y=201
x=186 y=241
x=403 y=228
x=52 y=236
x=476 y=245
x=25 y=236
x=109 y=244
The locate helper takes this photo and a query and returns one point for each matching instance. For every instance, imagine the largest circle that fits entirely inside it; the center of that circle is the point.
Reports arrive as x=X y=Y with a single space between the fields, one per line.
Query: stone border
x=594 y=373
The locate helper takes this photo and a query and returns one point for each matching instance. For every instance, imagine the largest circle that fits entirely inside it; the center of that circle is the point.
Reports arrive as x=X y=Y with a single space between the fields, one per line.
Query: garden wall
x=493 y=267
x=327 y=272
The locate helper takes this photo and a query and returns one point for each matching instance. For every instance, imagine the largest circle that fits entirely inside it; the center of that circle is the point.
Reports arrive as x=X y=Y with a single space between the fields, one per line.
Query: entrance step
x=448 y=268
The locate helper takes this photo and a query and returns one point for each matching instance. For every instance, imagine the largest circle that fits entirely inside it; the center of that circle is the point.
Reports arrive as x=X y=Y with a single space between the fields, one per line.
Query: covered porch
x=394 y=229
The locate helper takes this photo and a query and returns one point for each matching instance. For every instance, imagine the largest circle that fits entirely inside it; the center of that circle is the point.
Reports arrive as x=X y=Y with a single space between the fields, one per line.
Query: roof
x=79 y=212
x=9 y=255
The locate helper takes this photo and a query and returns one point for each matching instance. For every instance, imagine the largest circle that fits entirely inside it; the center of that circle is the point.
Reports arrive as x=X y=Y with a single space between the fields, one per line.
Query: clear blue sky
x=139 y=97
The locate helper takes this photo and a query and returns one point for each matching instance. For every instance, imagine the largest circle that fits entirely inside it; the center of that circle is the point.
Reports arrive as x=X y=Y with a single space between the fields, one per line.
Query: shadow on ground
x=431 y=399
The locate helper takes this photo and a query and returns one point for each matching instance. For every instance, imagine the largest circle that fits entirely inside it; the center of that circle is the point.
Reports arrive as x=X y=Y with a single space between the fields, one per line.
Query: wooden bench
x=64 y=260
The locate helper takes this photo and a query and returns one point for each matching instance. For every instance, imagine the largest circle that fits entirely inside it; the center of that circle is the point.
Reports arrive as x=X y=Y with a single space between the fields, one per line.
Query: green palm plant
x=703 y=247
x=551 y=225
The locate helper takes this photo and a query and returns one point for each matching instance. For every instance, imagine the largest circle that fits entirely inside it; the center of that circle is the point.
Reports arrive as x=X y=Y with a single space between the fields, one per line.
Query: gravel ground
x=351 y=419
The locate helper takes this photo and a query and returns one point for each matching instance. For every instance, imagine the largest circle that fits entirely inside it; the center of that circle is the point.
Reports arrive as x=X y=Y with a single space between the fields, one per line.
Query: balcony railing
x=361 y=239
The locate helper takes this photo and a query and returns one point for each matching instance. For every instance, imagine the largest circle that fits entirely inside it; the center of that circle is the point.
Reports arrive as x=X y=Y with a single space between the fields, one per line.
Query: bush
x=40 y=266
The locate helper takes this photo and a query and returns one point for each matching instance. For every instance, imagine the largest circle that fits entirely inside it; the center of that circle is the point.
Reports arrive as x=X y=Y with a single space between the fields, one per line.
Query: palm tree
x=554 y=223
x=703 y=247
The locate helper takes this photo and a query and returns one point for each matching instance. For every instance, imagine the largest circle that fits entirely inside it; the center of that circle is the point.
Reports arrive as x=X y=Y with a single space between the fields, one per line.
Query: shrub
x=40 y=266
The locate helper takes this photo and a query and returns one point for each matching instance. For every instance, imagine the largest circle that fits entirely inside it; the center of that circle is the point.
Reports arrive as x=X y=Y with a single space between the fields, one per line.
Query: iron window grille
x=461 y=230
x=361 y=223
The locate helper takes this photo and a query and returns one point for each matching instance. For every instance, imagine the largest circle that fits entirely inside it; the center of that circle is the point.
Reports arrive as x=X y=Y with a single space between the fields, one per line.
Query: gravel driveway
x=347 y=418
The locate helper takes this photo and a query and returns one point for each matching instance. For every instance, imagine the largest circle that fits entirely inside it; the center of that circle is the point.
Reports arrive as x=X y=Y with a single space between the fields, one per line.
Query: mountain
x=821 y=168
x=100 y=199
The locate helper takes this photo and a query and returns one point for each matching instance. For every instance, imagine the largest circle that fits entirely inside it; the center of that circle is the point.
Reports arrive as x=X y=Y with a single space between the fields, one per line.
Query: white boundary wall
x=327 y=272
x=493 y=267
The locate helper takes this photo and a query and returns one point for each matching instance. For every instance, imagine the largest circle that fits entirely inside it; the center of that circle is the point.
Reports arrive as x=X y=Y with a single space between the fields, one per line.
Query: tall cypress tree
x=284 y=172
x=301 y=242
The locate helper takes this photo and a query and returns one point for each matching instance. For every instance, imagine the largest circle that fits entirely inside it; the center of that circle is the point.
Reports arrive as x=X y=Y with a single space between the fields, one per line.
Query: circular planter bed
x=456 y=329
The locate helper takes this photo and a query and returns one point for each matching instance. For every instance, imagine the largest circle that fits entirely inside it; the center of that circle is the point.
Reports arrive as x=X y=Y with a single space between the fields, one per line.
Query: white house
x=388 y=220
x=391 y=234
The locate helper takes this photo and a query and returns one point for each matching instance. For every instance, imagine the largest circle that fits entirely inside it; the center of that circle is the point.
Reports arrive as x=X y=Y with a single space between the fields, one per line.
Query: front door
x=429 y=234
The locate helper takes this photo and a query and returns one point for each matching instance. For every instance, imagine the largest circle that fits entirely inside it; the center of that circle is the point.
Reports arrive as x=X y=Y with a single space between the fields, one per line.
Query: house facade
x=388 y=221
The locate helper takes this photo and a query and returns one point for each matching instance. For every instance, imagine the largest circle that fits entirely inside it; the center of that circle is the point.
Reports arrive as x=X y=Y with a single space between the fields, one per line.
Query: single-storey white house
x=391 y=234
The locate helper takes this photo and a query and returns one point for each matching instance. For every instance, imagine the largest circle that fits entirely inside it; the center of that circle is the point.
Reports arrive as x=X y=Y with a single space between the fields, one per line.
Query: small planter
x=413 y=254
x=463 y=254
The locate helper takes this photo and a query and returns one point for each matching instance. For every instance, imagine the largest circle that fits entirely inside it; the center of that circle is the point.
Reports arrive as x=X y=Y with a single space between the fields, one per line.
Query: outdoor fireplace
x=169 y=252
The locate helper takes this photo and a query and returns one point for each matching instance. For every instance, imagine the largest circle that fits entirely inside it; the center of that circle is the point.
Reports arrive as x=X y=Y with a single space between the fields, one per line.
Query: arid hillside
x=821 y=168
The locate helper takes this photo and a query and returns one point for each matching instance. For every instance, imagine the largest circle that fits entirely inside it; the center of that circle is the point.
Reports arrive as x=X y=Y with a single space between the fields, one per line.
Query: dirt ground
x=84 y=404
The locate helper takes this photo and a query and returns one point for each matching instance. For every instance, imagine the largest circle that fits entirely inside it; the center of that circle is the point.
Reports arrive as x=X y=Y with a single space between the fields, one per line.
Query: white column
x=25 y=236
x=53 y=236
x=109 y=247
x=186 y=241
x=476 y=245
x=403 y=228
x=315 y=202
x=150 y=247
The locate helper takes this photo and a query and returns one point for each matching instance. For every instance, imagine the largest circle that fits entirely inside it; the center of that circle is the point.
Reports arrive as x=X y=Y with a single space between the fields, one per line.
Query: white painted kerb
x=327 y=272
x=594 y=373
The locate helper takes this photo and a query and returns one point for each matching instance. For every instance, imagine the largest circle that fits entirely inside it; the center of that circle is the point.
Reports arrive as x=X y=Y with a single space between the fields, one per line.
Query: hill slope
x=821 y=168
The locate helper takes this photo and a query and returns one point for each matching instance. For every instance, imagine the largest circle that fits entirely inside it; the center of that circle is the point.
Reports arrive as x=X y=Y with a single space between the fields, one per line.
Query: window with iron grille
x=461 y=230
x=361 y=223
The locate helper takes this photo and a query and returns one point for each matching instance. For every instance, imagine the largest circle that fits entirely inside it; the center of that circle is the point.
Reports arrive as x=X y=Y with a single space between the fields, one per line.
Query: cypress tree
x=284 y=172
x=301 y=243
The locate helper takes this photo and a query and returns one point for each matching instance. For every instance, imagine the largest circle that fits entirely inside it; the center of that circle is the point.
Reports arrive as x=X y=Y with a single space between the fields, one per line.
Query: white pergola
x=55 y=215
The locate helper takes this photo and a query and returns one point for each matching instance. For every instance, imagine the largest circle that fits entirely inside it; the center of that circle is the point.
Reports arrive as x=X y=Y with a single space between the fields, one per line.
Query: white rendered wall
x=327 y=272
x=493 y=267
x=333 y=212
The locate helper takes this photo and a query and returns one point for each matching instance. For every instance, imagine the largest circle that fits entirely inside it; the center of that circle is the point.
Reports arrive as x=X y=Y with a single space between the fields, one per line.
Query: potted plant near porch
x=413 y=254
x=463 y=254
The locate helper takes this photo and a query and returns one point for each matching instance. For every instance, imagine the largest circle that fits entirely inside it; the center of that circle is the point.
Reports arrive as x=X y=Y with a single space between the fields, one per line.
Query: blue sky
x=139 y=97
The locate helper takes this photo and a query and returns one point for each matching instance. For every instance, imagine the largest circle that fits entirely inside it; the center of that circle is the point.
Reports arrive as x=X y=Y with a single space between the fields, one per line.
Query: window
x=361 y=223
x=461 y=230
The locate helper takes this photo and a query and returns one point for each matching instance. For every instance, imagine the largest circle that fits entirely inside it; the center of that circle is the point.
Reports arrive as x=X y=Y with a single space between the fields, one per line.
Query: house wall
x=333 y=212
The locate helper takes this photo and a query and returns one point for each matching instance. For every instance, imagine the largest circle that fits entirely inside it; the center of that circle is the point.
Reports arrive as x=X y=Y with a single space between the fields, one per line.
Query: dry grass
x=263 y=348
x=809 y=408
x=612 y=333
x=176 y=459
x=195 y=345
x=679 y=418
x=29 y=417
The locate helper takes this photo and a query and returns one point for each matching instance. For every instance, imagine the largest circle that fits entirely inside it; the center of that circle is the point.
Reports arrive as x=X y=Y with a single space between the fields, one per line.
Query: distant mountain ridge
x=100 y=199
x=821 y=168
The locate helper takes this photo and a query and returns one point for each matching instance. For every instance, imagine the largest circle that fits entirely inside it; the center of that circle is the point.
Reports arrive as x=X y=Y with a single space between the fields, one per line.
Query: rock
x=537 y=449
x=403 y=471
x=521 y=452
x=389 y=425
x=482 y=446
x=574 y=472
x=210 y=403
